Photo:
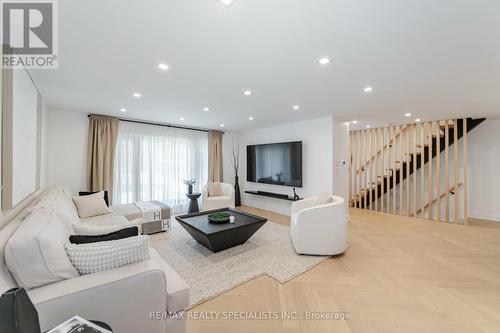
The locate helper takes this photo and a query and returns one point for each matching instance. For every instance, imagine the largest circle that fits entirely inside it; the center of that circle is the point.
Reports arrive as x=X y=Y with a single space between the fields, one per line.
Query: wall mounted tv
x=275 y=163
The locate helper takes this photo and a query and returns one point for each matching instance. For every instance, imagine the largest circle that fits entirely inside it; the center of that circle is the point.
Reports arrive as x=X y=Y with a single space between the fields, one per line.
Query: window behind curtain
x=152 y=161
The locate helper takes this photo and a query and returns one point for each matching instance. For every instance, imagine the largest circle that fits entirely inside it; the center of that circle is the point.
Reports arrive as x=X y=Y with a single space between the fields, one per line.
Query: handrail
x=391 y=141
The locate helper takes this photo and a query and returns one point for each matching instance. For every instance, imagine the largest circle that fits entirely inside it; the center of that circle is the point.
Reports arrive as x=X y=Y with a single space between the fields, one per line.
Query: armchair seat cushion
x=219 y=198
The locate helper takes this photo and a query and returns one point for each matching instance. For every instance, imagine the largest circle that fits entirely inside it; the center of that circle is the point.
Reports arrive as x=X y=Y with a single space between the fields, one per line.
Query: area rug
x=269 y=251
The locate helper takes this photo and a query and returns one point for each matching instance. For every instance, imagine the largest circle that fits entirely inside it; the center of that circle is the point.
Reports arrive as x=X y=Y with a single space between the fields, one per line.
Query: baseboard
x=485 y=217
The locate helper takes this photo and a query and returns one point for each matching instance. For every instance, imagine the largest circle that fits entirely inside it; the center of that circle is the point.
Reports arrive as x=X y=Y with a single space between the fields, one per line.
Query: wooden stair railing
x=441 y=196
x=432 y=139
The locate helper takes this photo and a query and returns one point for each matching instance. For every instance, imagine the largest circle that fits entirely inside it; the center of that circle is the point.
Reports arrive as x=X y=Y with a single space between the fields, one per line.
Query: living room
x=225 y=165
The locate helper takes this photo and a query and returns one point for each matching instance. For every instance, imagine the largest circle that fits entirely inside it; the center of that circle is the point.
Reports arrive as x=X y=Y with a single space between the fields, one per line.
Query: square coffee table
x=220 y=236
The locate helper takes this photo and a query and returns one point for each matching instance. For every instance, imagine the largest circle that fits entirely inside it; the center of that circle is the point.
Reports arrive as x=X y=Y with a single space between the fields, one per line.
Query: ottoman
x=155 y=215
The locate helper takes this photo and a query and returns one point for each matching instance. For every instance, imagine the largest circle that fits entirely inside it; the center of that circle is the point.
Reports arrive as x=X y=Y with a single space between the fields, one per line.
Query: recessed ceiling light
x=418 y=120
x=136 y=95
x=163 y=67
x=250 y=118
x=354 y=121
x=324 y=61
x=408 y=114
x=368 y=126
x=247 y=92
x=296 y=107
x=181 y=118
x=226 y=3
x=123 y=110
x=221 y=125
x=206 y=109
x=368 y=89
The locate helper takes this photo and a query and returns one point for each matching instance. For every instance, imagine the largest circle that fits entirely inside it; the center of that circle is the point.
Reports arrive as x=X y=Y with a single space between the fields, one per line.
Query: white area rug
x=269 y=251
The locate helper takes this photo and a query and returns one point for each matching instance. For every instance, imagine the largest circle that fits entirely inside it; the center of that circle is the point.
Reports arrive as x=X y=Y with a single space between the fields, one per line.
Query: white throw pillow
x=101 y=256
x=214 y=190
x=35 y=253
x=91 y=205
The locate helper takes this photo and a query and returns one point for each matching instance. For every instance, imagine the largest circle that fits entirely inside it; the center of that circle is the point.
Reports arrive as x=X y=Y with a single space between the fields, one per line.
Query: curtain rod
x=164 y=125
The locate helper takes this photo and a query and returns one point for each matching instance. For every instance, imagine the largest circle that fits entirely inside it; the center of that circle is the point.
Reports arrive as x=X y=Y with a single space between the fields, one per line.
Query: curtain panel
x=103 y=131
x=215 y=170
x=152 y=161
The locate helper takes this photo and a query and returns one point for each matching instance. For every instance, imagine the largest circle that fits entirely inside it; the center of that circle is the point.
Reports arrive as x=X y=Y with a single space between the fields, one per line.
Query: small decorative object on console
x=219 y=217
x=295 y=195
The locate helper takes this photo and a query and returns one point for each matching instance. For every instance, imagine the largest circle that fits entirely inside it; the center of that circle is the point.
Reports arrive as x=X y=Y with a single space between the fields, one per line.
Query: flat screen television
x=275 y=163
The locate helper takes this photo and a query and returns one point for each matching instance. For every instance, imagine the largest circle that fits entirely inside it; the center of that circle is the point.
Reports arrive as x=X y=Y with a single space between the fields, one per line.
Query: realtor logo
x=29 y=34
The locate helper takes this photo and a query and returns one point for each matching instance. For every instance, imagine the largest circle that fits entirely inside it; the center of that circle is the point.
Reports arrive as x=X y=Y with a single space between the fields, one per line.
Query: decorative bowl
x=219 y=217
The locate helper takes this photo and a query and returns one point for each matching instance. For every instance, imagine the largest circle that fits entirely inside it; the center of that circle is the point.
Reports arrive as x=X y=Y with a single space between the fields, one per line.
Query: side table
x=193 y=202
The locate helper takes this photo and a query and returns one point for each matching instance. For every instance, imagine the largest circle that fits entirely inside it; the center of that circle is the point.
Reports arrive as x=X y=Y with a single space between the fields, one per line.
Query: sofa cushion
x=35 y=253
x=177 y=289
x=91 y=205
x=103 y=224
x=214 y=190
x=102 y=256
x=58 y=200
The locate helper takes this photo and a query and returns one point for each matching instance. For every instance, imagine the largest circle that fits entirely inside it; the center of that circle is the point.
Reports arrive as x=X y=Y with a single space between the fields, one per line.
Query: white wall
x=229 y=141
x=67 y=149
x=5 y=215
x=317 y=155
x=484 y=175
x=341 y=159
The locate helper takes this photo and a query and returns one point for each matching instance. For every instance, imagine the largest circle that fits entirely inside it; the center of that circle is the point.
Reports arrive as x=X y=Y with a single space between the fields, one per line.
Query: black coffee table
x=217 y=237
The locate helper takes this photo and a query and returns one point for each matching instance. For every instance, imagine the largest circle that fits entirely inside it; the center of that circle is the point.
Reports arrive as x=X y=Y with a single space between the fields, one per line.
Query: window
x=152 y=161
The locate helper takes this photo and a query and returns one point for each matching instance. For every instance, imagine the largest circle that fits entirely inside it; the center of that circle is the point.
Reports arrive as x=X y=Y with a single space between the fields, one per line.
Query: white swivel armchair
x=221 y=197
x=319 y=225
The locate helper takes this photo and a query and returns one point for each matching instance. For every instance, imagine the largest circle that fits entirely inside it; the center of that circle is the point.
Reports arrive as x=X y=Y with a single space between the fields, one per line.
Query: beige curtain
x=103 y=131
x=215 y=156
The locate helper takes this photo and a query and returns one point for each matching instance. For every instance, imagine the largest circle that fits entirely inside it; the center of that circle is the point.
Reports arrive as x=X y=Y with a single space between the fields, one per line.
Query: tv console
x=273 y=195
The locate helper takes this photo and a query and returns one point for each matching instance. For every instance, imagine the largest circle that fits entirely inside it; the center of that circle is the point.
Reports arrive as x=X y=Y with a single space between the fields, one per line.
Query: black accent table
x=220 y=236
x=193 y=202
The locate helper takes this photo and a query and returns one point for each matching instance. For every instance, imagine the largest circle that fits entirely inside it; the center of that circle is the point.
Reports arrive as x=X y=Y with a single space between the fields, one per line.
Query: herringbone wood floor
x=398 y=275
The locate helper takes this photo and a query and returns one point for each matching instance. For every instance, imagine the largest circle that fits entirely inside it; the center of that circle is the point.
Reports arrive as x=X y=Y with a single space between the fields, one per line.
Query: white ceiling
x=436 y=59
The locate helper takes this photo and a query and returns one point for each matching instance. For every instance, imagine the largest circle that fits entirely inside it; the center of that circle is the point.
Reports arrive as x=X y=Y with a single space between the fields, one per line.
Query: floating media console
x=273 y=195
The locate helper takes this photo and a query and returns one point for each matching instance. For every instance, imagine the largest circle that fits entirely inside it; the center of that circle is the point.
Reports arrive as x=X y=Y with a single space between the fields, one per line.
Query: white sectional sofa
x=124 y=297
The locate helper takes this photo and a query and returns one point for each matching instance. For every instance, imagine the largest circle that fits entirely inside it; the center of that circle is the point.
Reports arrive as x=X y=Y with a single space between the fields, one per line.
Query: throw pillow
x=91 y=205
x=97 y=257
x=215 y=190
x=120 y=234
x=35 y=253
x=106 y=199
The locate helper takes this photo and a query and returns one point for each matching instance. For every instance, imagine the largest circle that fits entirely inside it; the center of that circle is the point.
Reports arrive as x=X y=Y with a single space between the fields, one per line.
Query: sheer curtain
x=152 y=161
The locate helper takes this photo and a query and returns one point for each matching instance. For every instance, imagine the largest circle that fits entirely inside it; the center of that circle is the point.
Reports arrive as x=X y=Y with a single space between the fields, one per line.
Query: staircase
x=410 y=162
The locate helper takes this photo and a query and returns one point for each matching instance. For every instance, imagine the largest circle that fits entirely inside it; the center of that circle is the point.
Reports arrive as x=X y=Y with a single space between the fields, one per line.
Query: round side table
x=193 y=202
